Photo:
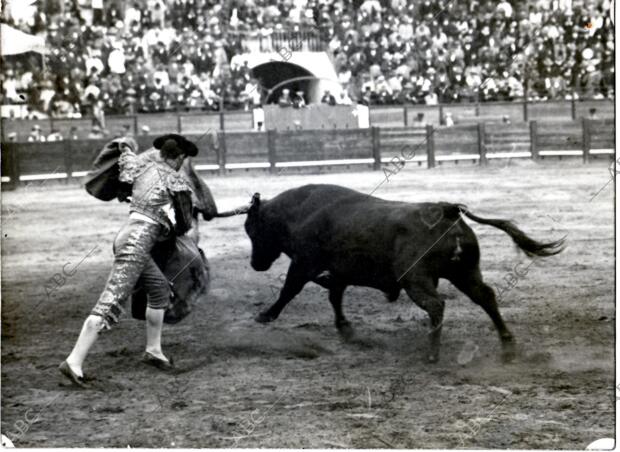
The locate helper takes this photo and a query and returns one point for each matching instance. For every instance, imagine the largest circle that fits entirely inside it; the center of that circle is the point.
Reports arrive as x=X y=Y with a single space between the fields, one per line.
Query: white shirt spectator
x=515 y=86
x=405 y=31
x=253 y=92
x=395 y=84
x=369 y=5
x=344 y=99
x=132 y=14
x=116 y=61
x=10 y=90
x=344 y=77
x=92 y=89
x=431 y=99
x=505 y=8
x=94 y=62
x=161 y=79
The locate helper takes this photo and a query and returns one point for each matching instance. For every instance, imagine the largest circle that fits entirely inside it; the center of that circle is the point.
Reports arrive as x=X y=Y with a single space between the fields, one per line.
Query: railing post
x=482 y=144
x=405 y=116
x=430 y=146
x=221 y=152
x=585 y=124
x=68 y=157
x=441 y=119
x=525 y=112
x=271 y=148
x=376 y=148
x=11 y=155
x=534 y=140
x=135 y=125
x=222 y=122
x=179 y=126
x=573 y=108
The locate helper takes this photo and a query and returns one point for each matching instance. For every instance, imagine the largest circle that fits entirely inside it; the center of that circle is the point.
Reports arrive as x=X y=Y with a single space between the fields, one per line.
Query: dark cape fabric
x=102 y=180
x=179 y=257
x=187 y=270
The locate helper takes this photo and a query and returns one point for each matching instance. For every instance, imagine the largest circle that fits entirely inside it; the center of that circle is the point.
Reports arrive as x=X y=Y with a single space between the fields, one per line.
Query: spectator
x=55 y=136
x=96 y=133
x=35 y=134
x=285 y=98
x=73 y=133
x=564 y=50
x=298 y=100
x=449 y=122
x=328 y=98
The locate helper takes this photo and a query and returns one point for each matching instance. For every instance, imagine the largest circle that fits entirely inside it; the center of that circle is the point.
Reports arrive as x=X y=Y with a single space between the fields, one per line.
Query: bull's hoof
x=265 y=317
x=346 y=331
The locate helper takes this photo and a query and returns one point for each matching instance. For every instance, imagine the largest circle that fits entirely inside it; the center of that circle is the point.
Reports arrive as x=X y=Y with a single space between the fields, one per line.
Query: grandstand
x=150 y=56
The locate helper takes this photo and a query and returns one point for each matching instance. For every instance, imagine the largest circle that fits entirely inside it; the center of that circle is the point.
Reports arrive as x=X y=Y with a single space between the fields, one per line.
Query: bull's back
x=360 y=238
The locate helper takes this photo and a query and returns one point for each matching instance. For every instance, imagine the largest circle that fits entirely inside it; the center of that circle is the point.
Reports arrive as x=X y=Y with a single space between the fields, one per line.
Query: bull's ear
x=255 y=200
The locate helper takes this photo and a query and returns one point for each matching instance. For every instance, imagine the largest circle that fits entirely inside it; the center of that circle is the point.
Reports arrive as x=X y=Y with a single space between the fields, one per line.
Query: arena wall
x=375 y=147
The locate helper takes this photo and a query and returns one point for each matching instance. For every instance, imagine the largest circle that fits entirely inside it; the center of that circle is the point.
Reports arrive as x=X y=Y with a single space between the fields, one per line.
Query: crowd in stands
x=159 y=55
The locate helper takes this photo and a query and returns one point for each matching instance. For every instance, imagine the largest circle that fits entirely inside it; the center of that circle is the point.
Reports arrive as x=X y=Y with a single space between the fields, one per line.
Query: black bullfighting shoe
x=75 y=378
x=154 y=361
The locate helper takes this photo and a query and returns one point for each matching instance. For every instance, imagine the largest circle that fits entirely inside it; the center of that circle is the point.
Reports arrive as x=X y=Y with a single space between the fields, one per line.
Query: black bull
x=338 y=237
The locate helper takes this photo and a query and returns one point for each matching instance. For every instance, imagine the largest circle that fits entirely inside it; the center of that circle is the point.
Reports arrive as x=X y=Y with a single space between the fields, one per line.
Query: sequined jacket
x=154 y=184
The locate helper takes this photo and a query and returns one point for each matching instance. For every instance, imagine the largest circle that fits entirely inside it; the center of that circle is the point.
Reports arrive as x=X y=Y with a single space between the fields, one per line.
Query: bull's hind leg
x=336 y=291
x=423 y=291
x=472 y=285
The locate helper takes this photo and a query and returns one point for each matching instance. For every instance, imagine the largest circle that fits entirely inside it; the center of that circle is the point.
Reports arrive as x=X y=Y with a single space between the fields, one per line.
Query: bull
x=338 y=237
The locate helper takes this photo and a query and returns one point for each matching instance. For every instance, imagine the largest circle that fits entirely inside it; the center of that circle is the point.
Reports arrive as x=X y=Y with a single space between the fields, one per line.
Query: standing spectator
x=285 y=100
x=97 y=7
x=298 y=100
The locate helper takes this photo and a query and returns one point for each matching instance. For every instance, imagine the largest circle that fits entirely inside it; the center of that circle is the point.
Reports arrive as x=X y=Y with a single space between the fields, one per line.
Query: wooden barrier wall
x=375 y=147
x=380 y=116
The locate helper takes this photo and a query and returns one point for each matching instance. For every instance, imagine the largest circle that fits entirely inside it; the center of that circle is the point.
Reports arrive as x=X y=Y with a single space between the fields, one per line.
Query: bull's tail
x=529 y=246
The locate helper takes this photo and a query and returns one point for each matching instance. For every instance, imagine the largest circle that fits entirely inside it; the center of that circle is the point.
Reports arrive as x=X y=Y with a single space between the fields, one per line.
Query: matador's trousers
x=132 y=260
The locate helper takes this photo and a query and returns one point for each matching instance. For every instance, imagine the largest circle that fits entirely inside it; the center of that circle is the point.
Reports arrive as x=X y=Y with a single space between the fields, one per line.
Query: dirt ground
x=294 y=383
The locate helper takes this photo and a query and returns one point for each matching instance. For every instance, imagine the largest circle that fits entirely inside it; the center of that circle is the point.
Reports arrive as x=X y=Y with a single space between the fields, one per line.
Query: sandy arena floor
x=295 y=383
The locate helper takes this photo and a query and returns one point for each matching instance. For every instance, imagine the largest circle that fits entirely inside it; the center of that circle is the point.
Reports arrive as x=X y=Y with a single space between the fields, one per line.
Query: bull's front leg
x=296 y=279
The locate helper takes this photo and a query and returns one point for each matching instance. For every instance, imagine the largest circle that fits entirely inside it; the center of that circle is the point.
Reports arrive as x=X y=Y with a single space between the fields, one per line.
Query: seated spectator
x=55 y=136
x=285 y=99
x=96 y=133
x=566 y=51
x=35 y=134
x=73 y=133
x=328 y=98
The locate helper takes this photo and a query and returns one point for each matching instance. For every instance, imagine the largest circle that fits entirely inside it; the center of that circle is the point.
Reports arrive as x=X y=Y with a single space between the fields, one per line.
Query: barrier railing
x=375 y=147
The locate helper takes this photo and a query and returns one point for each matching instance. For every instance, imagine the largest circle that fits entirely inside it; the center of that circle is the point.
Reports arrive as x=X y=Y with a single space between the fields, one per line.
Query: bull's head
x=264 y=234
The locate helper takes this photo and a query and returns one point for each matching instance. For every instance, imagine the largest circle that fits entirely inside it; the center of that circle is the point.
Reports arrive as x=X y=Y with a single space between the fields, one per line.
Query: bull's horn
x=230 y=213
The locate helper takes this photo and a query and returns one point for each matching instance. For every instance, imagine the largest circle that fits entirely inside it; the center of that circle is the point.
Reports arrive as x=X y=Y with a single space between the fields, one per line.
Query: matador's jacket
x=114 y=175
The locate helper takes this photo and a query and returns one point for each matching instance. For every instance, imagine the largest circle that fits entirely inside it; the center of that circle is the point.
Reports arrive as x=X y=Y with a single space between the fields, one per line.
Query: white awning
x=15 y=42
